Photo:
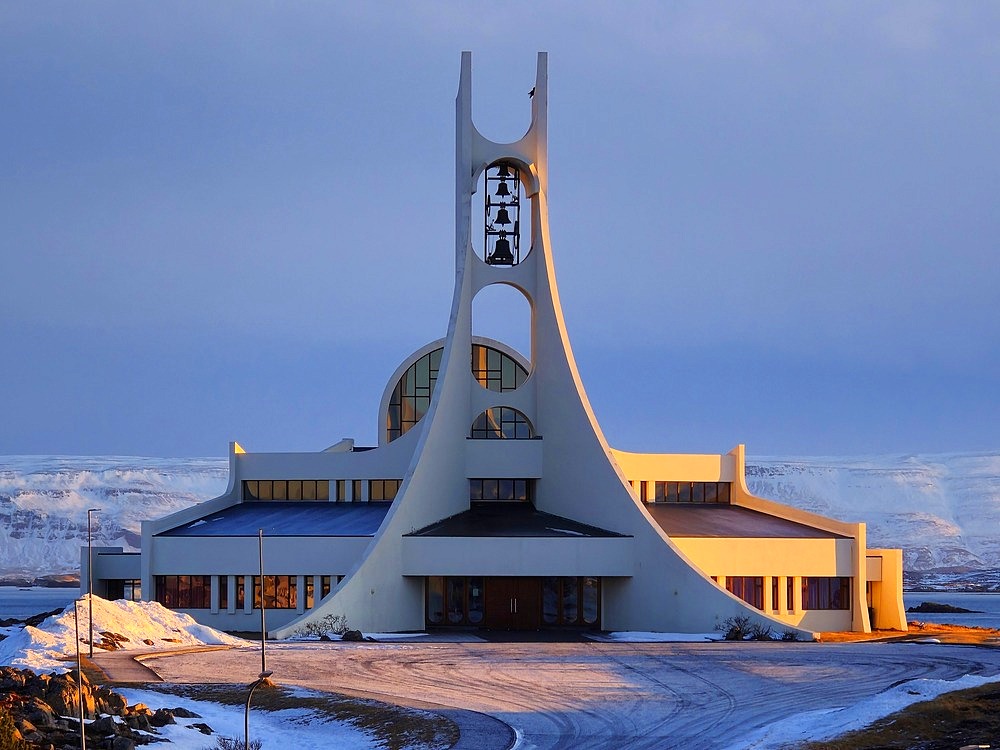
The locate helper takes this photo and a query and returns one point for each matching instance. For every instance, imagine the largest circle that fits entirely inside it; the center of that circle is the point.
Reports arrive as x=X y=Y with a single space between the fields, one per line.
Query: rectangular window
x=223 y=592
x=341 y=490
x=380 y=490
x=644 y=491
x=286 y=489
x=774 y=594
x=826 y=593
x=279 y=592
x=748 y=588
x=310 y=592
x=184 y=592
x=356 y=490
x=500 y=490
x=790 y=593
x=324 y=586
x=240 y=592
x=689 y=492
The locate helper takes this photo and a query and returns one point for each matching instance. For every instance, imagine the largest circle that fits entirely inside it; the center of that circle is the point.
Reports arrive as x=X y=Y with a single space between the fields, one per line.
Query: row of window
x=571 y=600
x=685 y=492
x=318 y=489
x=817 y=592
x=411 y=396
x=286 y=489
x=501 y=490
x=278 y=591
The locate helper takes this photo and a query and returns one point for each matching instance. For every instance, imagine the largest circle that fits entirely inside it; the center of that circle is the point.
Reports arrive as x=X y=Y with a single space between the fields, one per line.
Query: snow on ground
x=299 y=729
x=47 y=647
x=642 y=636
x=812 y=726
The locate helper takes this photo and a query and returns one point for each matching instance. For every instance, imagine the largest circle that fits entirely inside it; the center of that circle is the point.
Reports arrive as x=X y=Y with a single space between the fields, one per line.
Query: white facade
x=581 y=541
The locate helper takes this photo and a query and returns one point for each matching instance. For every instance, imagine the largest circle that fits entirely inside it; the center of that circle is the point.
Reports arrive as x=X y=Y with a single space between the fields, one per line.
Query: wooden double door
x=514 y=603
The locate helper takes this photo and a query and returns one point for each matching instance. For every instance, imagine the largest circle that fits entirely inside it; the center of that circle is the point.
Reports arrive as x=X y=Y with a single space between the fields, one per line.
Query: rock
x=161 y=717
x=946 y=609
x=39 y=713
x=202 y=727
x=62 y=694
x=352 y=635
x=103 y=727
x=109 y=702
x=183 y=713
x=122 y=743
x=138 y=722
x=148 y=641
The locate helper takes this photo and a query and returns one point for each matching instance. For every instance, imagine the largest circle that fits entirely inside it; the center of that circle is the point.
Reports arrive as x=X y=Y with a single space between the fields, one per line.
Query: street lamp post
x=263 y=625
x=90 y=578
x=246 y=713
x=79 y=674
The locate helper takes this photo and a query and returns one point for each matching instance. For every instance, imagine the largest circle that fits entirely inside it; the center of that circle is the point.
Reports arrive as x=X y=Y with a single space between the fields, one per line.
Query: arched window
x=495 y=370
x=411 y=396
x=502 y=422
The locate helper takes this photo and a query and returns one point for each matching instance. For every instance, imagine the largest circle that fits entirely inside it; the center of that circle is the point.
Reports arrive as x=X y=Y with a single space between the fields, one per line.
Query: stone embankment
x=43 y=710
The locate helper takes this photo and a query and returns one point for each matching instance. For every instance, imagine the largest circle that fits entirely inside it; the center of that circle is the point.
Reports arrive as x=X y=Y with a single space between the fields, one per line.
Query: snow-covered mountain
x=44 y=502
x=944 y=510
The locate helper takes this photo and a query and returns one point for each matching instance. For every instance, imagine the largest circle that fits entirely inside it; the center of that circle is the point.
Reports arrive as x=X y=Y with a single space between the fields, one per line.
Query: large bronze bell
x=502 y=218
x=503 y=190
x=501 y=254
x=504 y=171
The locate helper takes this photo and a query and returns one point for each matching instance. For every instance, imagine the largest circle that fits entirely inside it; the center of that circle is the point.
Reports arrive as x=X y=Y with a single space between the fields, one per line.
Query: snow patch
x=51 y=647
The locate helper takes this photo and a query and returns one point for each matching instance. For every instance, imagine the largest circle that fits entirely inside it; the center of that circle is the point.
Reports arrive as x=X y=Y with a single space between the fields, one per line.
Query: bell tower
x=481 y=390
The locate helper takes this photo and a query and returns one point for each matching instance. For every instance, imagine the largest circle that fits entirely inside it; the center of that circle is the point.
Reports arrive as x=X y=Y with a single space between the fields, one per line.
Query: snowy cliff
x=944 y=510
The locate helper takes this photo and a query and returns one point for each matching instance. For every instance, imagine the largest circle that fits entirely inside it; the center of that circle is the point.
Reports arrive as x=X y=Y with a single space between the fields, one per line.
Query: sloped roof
x=284 y=518
x=729 y=521
x=491 y=519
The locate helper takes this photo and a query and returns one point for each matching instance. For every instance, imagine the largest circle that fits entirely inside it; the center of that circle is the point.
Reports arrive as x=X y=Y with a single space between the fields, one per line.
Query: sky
x=773 y=223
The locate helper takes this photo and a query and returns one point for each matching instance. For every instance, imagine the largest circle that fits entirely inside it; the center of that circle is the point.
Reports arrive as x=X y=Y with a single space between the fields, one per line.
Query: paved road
x=603 y=695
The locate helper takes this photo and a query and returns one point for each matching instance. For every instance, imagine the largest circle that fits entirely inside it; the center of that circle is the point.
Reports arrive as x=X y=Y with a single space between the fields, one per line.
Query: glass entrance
x=513 y=603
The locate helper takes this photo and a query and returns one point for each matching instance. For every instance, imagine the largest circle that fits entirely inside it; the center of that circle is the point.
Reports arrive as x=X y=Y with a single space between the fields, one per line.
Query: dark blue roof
x=288 y=519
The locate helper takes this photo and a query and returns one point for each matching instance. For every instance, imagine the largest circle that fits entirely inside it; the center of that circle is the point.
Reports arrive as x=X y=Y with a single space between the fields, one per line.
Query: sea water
x=20 y=603
x=987 y=604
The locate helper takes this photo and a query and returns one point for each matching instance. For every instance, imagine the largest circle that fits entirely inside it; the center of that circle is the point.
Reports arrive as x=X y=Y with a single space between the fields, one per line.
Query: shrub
x=324 y=626
x=736 y=628
x=760 y=631
x=789 y=635
x=10 y=738
x=231 y=743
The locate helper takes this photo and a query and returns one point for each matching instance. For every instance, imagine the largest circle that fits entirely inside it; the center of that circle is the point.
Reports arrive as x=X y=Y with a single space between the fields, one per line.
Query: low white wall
x=769 y=557
x=238 y=555
x=520 y=556
x=503 y=458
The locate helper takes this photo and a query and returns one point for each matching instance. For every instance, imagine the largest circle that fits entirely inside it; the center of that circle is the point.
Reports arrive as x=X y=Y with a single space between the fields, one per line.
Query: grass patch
x=950 y=721
x=395 y=727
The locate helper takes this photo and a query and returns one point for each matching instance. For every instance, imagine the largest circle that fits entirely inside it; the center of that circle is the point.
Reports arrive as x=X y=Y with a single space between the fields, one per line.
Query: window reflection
x=476 y=600
x=503 y=423
x=456 y=599
x=435 y=599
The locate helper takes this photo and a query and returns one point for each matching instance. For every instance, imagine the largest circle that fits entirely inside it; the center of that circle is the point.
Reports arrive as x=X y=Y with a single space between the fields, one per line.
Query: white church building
x=493 y=499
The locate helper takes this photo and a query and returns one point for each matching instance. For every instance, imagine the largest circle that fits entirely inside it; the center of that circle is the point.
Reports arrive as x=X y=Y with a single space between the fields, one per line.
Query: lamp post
x=90 y=578
x=263 y=626
x=246 y=713
x=79 y=673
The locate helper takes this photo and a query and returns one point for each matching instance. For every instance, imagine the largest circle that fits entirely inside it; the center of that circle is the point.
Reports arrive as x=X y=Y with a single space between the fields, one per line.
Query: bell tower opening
x=502 y=193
